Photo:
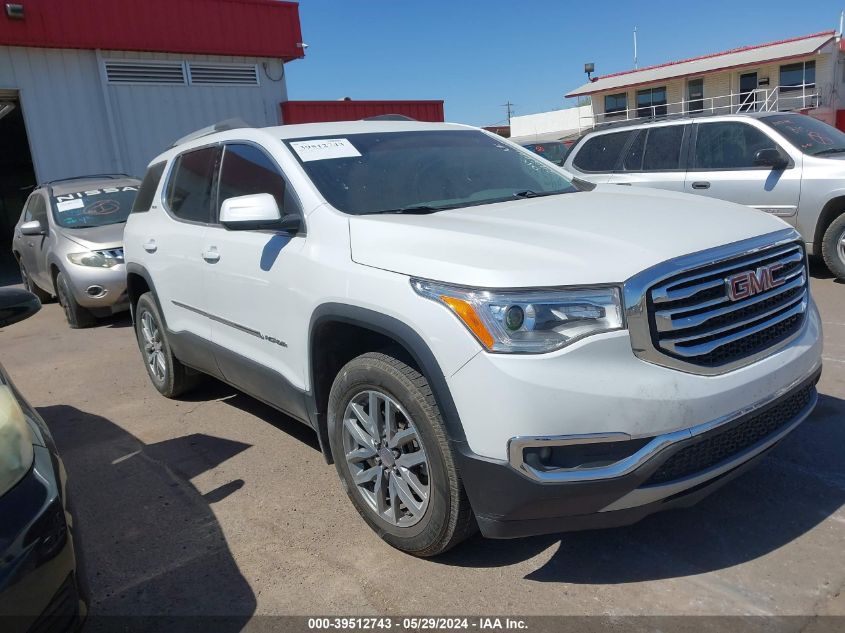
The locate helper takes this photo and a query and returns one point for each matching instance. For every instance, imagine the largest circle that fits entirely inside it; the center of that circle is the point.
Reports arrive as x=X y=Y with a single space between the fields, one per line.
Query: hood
x=96 y=237
x=601 y=236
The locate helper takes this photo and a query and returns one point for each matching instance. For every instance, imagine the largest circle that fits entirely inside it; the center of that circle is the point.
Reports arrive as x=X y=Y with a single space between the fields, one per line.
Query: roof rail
x=113 y=176
x=222 y=126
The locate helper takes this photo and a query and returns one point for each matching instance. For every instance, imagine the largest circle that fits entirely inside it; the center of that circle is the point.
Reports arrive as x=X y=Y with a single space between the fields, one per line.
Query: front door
x=723 y=167
x=34 y=247
x=254 y=294
x=748 y=92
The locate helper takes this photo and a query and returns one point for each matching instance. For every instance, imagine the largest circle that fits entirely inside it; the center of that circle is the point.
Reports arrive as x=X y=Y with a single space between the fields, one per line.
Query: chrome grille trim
x=659 y=338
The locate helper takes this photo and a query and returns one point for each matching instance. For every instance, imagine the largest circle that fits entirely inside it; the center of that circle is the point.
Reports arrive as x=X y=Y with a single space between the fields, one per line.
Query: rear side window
x=601 y=153
x=149 y=185
x=728 y=145
x=190 y=185
x=247 y=170
x=663 y=148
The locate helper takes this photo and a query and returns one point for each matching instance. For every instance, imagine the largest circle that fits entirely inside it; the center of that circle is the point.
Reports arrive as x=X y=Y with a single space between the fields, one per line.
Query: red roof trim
x=323 y=111
x=252 y=28
x=741 y=49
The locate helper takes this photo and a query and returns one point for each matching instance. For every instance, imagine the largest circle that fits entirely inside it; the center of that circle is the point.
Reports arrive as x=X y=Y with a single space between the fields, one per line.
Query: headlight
x=529 y=321
x=16 y=452
x=94 y=259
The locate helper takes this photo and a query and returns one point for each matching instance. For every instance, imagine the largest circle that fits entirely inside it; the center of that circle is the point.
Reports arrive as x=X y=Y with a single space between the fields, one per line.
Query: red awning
x=322 y=111
x=254 y=28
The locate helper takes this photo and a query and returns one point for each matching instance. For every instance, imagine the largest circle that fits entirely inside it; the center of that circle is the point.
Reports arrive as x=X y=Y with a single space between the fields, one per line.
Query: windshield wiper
x=831 y=150
x=528 y=193
x=418 y=209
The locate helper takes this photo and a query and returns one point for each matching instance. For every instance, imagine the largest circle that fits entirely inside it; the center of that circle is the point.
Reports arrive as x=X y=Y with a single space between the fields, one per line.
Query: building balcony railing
x=778 y=99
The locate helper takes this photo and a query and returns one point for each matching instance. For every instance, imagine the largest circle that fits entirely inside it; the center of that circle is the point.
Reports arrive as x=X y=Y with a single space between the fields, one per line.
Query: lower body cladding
x=100 y=290
x=38 y=565
x=614 y=472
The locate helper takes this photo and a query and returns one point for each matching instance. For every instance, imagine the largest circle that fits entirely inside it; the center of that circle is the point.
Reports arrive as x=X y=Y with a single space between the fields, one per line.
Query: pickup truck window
x=810 y=135
x=423 y=171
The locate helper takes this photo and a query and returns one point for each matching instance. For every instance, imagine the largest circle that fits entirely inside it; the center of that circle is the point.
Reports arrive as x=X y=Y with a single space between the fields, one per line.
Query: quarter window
x=728 y=145
x=190 y=186
x=149 y=185
x=602 y=152
x=247 y=170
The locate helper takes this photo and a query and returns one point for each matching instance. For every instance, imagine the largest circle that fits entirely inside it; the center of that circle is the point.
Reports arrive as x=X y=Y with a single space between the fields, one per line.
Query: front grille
x=723 y=444
x=693 y=319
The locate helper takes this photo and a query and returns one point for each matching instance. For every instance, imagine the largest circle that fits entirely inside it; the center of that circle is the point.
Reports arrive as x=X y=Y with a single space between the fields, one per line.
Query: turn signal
x=470 y=318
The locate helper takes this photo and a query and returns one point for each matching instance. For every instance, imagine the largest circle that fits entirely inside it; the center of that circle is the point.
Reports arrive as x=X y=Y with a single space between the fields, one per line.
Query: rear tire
x=397 y=466
x=169 y=376
x=77 y=316
x=833 y=247
x=32 y=287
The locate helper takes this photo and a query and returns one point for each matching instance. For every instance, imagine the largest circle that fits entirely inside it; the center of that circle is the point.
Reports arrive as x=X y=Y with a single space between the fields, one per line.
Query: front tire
x=31 y=286
x=77 y=316
x=169 y=376
x=393 y=458
x=833 y=247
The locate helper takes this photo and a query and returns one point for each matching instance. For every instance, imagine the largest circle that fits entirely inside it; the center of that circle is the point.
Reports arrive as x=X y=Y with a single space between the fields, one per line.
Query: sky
x=477 y=55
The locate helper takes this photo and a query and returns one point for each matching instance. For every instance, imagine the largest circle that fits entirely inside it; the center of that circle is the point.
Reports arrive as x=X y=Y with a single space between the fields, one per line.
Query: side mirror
x=33 y=227
x=770 y=157
x=17 y=305
x=256 y=212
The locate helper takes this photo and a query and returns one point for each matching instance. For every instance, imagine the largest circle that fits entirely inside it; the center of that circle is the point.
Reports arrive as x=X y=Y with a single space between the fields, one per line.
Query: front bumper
x=38 y=566
x=676 y=472
x=102 y=290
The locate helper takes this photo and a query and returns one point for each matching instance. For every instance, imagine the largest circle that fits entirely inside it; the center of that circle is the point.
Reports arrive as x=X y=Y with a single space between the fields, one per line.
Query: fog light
x=95 y=291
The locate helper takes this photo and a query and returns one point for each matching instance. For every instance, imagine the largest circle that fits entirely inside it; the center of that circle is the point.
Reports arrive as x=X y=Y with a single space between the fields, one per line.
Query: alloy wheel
x=386 y=458
x=840 y=247
x=153 y=346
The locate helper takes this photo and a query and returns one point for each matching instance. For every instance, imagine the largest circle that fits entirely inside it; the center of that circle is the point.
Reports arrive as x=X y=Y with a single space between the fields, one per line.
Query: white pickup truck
x=477 y=339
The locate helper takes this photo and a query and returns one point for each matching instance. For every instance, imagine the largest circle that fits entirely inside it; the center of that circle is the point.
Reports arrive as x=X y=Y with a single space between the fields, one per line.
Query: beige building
x=801 y=74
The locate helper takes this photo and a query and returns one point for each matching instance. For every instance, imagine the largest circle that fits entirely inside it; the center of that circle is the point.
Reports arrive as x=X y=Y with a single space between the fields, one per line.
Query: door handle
x=211 y=255
x=150 y=246
x=701 y=185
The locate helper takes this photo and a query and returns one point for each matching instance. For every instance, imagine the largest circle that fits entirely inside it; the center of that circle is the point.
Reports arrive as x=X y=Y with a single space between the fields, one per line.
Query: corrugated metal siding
x=323 y=111
x=261 y=28
x=66 y=108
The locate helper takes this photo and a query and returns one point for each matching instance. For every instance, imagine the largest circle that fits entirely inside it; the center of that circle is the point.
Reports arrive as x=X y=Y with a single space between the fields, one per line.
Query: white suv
x=476 y=339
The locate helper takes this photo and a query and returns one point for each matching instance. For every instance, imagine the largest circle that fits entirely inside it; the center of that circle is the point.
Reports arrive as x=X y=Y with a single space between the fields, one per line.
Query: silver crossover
x=69 y=244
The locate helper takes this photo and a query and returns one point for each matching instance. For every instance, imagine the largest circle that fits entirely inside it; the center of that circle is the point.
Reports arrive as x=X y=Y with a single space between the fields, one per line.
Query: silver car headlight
x=529 y=321
x=94 y=259
x=16 y=452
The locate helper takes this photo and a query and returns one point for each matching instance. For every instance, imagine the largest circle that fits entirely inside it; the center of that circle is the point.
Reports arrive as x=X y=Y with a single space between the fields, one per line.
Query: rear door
x=655 y=158
x=722 y=166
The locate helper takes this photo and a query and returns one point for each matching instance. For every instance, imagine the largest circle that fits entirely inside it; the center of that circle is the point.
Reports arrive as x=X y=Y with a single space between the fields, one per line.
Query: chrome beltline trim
x=516 y=445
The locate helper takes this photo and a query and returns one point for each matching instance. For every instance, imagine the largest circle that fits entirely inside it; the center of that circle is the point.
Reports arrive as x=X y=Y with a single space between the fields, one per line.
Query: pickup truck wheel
x=32 y=287
x=77 y=316
x=393 y=457
x=167 y=374
x=833 y=247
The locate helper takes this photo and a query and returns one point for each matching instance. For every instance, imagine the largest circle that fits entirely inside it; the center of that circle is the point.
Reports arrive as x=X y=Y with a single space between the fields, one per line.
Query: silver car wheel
x=153 y=347
x=386 y=458
x=840 y=247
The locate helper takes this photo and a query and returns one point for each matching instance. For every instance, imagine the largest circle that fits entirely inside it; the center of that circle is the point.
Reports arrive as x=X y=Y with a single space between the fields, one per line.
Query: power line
x=509 y=107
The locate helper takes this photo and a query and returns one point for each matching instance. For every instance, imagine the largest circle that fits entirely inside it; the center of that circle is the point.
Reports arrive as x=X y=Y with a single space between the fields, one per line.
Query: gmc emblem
x=751 y=282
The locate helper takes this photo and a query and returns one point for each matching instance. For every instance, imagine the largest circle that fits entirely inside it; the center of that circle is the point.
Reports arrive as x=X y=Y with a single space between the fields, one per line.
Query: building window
x=615 y=104
x=651 y=102
x=797 y=85
x=695 y=95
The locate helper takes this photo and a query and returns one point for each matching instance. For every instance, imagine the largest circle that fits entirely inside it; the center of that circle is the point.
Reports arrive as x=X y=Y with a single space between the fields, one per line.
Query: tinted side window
x=663 y=148
x=190 y=186
x=633 y=160
x=728 y=145
x=36 y=209
x=247 y=170
x=601 y=153
x=144 y=199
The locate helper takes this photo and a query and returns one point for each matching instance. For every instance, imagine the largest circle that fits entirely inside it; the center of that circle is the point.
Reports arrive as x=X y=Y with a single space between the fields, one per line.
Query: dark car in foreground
x=39 y=587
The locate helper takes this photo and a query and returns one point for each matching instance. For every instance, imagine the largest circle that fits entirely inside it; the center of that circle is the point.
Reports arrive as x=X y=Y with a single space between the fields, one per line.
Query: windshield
x=95 y=207
x=423 y=171
x=554 y=151
x=809 y=135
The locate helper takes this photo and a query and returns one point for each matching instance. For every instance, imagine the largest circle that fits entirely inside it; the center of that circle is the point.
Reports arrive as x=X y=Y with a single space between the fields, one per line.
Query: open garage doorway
x=17 y=179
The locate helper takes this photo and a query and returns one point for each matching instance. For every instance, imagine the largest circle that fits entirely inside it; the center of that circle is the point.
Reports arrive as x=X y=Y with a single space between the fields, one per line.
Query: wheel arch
x=138 y=282
x=339 y=332
x=832 y=209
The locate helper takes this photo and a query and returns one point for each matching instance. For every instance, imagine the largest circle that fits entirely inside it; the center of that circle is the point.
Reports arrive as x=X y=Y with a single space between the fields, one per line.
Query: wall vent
x=223 y=74
x=143 y=72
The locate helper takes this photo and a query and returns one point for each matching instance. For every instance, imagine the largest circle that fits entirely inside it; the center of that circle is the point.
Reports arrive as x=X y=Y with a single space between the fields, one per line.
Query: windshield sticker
x=323 y=149
x=68 y=205
x=92 y=192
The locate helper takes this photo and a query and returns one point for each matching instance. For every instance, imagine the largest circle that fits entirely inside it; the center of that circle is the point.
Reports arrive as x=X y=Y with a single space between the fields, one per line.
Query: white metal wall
x=77 y=123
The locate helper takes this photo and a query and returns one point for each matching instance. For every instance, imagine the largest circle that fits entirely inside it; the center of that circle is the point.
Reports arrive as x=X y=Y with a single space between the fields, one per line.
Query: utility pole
x=509 y=108
x=635 y=48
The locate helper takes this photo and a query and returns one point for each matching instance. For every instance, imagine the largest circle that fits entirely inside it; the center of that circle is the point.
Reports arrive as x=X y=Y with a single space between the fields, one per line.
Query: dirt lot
x=217 y=504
